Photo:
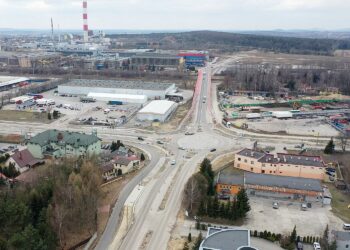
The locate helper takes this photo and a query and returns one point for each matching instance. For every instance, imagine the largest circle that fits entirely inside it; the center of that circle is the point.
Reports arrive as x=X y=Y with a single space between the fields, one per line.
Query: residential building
x=23 y=160
x=56 y=144
x=342 y=238
x=226 y=239
x=282 y=164
x=294 y=188
x=120 y=165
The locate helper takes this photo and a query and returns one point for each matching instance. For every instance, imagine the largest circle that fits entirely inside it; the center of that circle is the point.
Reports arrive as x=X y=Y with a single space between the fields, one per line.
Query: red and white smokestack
x=85 y=19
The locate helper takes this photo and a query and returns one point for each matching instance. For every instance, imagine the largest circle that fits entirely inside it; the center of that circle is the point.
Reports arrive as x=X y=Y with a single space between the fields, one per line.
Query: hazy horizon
x=226 y=15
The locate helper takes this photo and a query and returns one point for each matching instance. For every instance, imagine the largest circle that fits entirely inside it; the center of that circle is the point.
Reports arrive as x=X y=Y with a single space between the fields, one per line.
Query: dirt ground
x=24 y=116
x=109 y=196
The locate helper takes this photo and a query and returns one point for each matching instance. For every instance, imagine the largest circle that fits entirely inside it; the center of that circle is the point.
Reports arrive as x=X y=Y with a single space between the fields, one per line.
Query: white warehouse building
x=159 y=110
x=152 y=90
x=124 y=98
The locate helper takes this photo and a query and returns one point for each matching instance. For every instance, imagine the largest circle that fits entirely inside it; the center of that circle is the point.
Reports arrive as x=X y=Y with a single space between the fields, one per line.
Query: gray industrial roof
x=72 y=138
x=251 y=153
x=341 y=235
x=283 y=182
x=237 y=179
x=118 y=84
x=227 y=239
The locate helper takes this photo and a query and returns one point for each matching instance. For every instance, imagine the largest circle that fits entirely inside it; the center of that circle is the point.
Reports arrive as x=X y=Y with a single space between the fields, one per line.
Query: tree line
x=43 y=215
x=271 y=78
x=201 y=199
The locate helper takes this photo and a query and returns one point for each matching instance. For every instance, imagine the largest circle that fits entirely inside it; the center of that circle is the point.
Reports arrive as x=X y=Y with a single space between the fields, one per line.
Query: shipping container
x=115 y=103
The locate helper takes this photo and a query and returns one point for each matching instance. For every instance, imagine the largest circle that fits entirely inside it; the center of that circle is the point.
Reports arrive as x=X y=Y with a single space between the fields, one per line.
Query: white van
x=346 y=226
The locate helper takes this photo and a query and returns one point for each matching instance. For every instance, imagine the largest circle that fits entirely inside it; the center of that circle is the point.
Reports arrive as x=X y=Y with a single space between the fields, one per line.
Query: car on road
x=275 y=205
x=173 y=162
x=317 y=246
x=140 y=138
x=203 y=101
x=181 y=148
x=160 y=142
x=189 y=133
x=213 y=150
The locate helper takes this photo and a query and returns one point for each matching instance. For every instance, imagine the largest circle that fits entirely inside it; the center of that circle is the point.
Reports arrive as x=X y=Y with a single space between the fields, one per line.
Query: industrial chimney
x=85 y=19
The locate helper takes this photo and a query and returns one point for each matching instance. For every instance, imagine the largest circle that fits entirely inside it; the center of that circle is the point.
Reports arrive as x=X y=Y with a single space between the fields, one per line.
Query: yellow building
x=290 y=165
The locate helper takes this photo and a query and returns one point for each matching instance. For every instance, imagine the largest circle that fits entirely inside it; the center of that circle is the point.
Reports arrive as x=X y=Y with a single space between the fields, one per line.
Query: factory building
x=122 y=98
x=159 y=110
x=194 y=59
x=9 y=82
x=152 y=90
x=156 y=61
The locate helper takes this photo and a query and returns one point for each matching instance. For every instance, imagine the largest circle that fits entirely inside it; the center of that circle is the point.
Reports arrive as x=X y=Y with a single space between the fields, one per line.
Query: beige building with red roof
x=281 y=164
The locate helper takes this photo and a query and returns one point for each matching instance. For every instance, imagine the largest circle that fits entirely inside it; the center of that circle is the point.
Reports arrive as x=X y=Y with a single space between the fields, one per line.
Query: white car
x=173 y=162
x=317 y=246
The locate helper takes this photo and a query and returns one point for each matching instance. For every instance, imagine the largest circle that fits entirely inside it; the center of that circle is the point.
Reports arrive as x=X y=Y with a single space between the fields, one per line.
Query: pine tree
x=222 y=210
x=142 y=157
x=333 y=246
x=198 y=242
x=201 y=209
x=189 y=237
x=216 y=207
x=293 y=236
x=209 y=207
x=243 y=206
x=329 y=149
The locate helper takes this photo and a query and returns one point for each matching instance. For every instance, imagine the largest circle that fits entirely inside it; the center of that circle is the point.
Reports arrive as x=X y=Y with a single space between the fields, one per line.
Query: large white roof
x=157 y=107
x=118 y=96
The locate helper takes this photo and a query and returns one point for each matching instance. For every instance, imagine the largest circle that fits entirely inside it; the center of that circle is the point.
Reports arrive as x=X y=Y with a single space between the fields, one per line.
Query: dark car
x=213 y=150
x=140 y=138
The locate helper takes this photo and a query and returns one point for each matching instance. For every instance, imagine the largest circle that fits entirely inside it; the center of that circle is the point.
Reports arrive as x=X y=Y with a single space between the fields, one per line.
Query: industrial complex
x=150 y=89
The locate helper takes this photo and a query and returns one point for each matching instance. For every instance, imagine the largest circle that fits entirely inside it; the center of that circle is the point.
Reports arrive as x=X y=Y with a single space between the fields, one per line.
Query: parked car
x=173 y=162
x=304 y=206
x=317 y=246
x=213 y=150
x=181 y=148
x=275 y=205
x=160 y=142
x=346 y=226
x=140 y=138
x=300 y=246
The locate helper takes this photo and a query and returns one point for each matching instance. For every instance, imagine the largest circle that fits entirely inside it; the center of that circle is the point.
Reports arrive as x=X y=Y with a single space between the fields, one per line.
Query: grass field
x=23 y=116
x=340 y=203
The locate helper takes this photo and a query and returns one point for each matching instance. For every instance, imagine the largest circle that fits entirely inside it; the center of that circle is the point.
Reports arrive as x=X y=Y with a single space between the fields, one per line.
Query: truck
x=87 y=99
x=115 y=103
x=253 y=116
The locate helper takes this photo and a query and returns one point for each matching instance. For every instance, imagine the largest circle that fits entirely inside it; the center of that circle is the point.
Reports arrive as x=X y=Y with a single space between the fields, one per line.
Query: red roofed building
x=280 y=164
x=23 y=160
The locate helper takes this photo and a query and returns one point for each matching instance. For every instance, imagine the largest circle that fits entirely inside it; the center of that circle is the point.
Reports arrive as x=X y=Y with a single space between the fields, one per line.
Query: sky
x=177 y=14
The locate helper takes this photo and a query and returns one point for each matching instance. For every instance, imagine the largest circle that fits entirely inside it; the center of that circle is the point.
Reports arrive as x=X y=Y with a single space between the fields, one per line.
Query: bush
x=261 y=234
x=255 y=233
x=265 y=234
x=203 y=227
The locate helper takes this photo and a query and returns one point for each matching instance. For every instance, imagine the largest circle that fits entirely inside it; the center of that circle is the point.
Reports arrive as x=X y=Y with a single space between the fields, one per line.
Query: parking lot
x=282 y=220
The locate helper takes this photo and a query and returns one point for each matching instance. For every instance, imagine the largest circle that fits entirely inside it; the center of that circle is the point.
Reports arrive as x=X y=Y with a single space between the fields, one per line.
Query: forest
x=228 y=42
x=42 y=215
x=273 y=79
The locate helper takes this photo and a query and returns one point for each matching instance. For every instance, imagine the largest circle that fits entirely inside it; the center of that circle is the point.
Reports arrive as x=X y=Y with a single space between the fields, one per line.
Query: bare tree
x=195 y=188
